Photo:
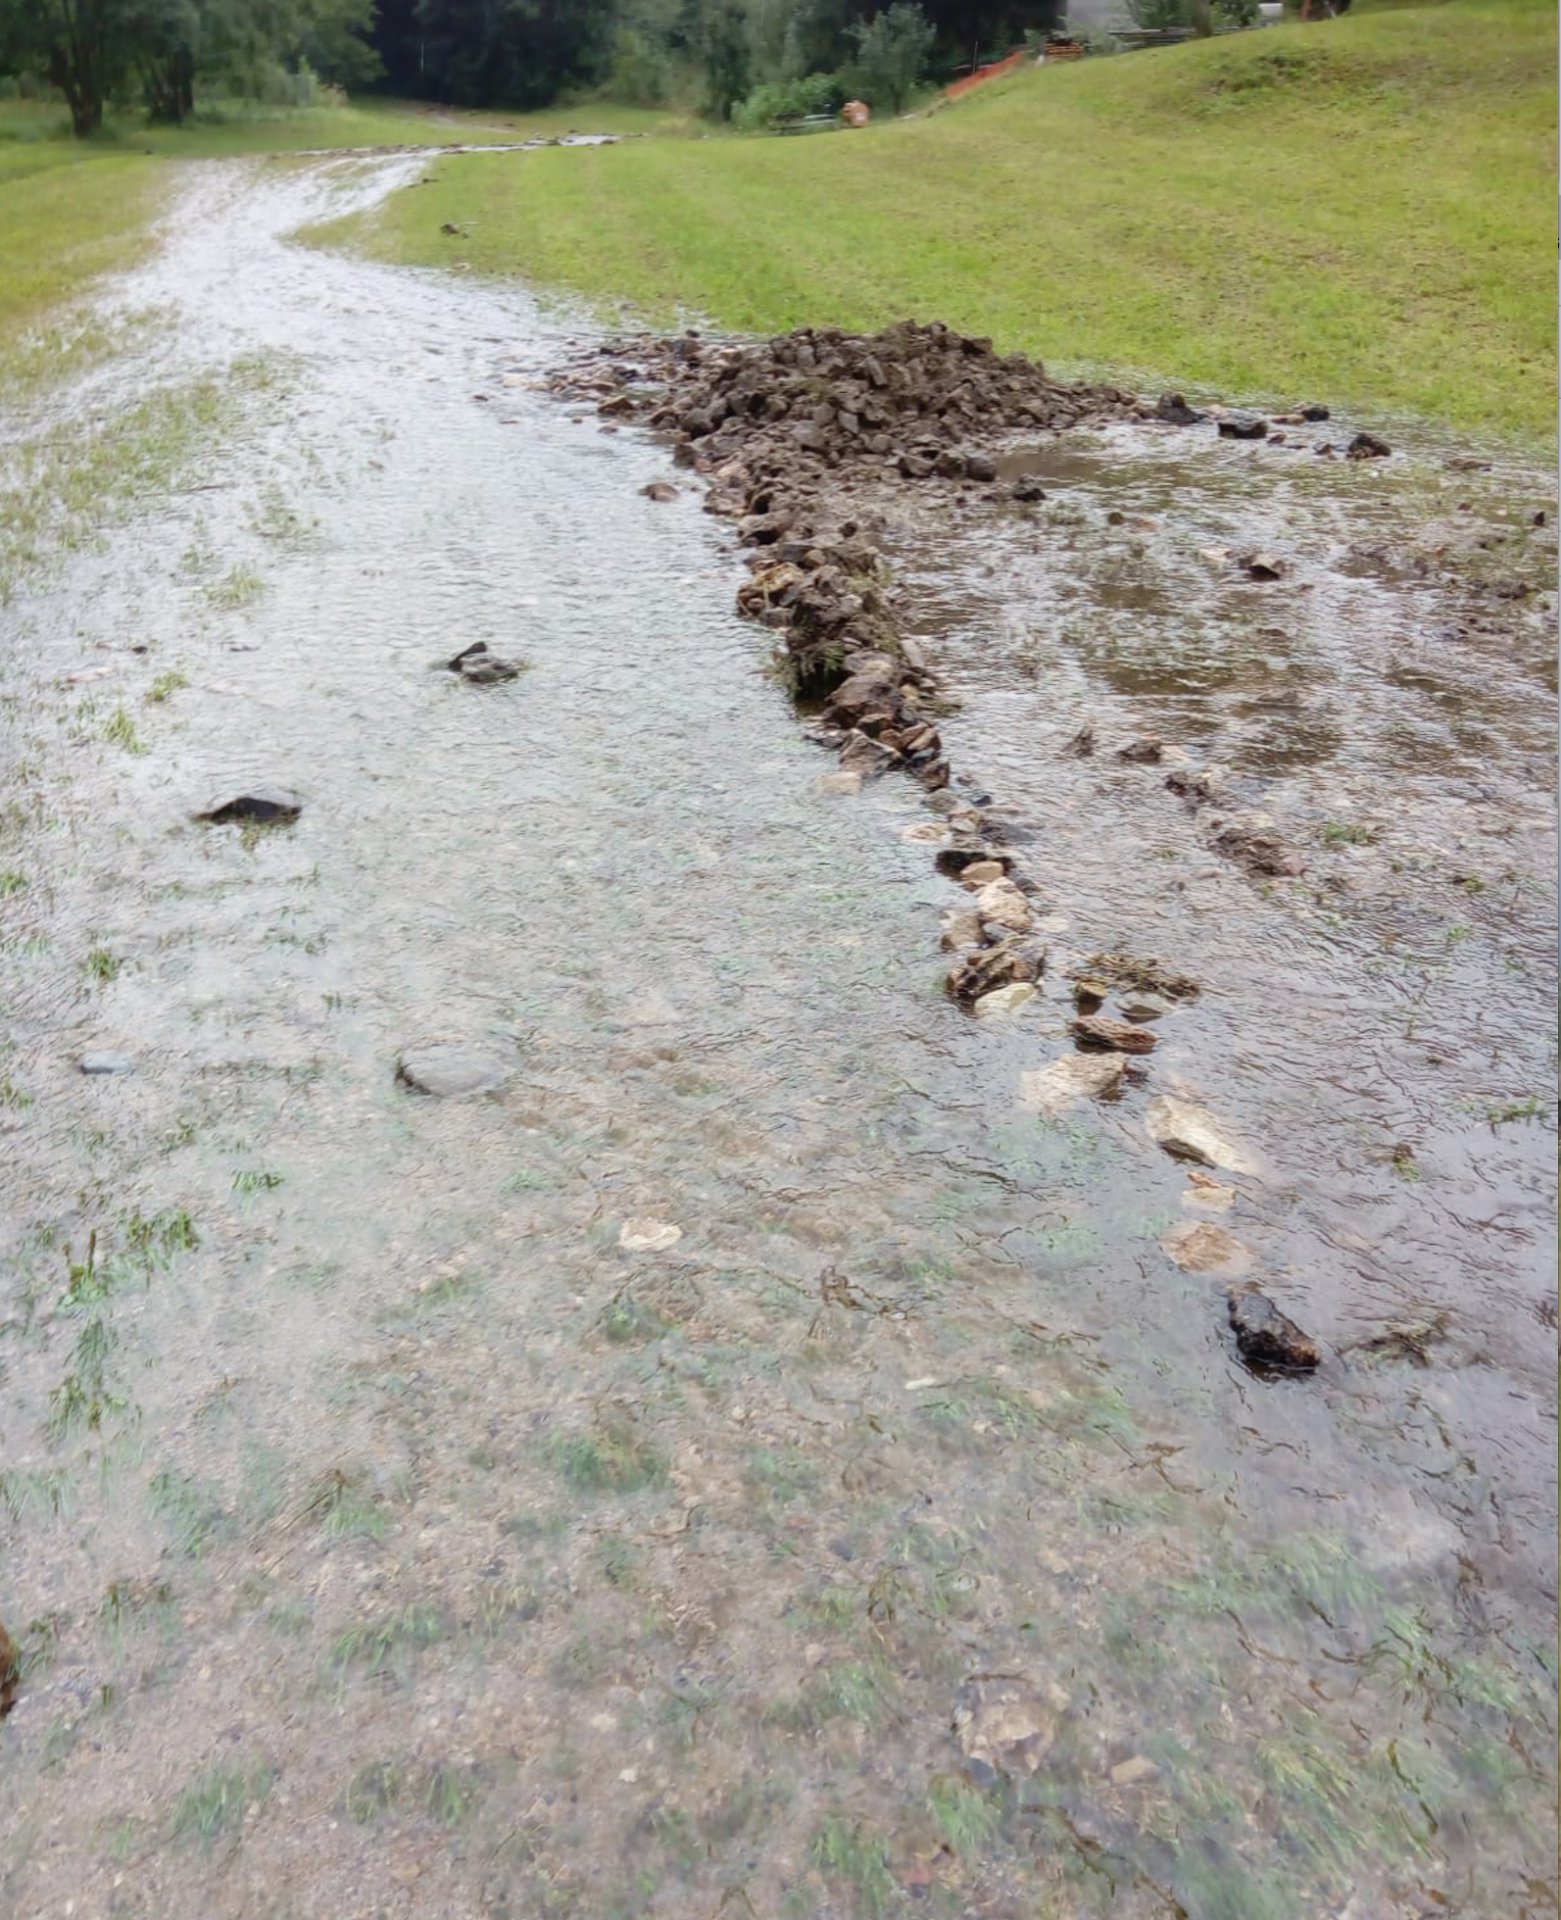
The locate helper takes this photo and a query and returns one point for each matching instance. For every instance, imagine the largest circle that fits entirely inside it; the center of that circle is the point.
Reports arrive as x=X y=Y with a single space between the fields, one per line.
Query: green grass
x=1359 y=212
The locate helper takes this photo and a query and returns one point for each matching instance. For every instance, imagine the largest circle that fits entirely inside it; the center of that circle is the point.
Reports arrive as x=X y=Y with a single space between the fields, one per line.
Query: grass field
x=1360 y=211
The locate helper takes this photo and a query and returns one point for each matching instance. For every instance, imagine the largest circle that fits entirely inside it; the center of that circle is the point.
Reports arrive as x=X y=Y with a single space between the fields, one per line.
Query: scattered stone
x=1143 y=1006
x=1089 y=993
x=961 y=929
x=1003 y=1000
x=1027 y=490
x=1260 y=852
x=1001 y=903
x=1313 y=412
x=1144 y=751
x=1198 y=1246
x=1196 y=786
x=840 y=783
x=1265 y=566
x=1126 y=970
x=1134 y=1772
x=1269 y=1341
x=1005 y=1724
x=1243 y=426
x=980 y=466
x=1122 y=1036
x=1203 y=1191
x=1366 y=446
x=446 y=1068
x=261 y=807
x=660 y=491
x=1082 y=744
x=106 y=1060
x=643 y=1235
x=981 y=873
x=479 y=666
x=1175 y=412
x=1192 y=1133
x=1076 y=1077
x=1410 y=1340
x=1011 y=962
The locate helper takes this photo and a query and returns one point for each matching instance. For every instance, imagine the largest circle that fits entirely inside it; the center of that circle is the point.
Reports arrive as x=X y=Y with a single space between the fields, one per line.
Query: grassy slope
x=1361 y=210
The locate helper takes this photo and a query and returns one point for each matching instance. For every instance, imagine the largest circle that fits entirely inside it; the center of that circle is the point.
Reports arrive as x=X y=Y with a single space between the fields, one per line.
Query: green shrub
x=813 y=93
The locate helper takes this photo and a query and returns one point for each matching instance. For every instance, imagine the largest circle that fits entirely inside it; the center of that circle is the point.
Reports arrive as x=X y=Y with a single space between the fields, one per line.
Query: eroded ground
x=398 y=1520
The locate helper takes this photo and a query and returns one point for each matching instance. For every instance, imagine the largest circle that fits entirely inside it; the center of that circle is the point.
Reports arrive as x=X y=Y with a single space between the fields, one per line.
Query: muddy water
x=383 y=1535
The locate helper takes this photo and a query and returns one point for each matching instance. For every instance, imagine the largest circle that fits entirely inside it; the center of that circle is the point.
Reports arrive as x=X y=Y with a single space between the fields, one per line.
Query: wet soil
x=739 y=1456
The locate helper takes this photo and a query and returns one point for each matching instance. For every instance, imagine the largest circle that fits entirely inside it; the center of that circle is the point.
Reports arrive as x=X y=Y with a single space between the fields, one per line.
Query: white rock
x=1192 y=1133
x=1208 y=1194
x=840 y=783
x=1198 y=1246
x=1001 y=902
x=1004 y=1000
x=1077 y=1076
x=642 y=1235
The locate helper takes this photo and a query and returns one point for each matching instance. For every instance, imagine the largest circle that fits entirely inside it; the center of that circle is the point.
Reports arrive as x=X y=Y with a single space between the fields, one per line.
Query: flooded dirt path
x=399 y=1517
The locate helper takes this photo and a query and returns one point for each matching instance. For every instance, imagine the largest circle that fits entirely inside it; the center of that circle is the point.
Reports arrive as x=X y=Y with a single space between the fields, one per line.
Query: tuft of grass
x=347 y=1508
x=1347 y=833
x=212 y=1807
x=858 y=1860
x=965 y=1817
x=12 y=882
x=388 y=1644
x=101 y=966
x=248 y=1181
x=166 y=685
x=1363 y=213
x=609 y=1459
x=120 y=731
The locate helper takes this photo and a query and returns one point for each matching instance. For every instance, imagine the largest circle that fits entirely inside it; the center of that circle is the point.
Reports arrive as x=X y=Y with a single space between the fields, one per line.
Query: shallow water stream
x=383 y=1536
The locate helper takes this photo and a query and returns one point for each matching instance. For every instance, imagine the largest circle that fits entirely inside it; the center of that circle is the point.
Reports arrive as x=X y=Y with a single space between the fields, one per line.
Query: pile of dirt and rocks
x=773 y=425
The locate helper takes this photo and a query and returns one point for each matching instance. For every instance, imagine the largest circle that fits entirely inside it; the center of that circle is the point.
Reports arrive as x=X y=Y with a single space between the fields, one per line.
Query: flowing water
x=398 y=1520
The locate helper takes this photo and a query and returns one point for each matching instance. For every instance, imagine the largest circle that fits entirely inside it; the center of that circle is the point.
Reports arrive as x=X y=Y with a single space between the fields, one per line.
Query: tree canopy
x=498 y=53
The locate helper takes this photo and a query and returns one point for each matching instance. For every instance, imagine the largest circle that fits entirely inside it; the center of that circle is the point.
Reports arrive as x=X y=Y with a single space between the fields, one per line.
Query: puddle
x=401 y=1518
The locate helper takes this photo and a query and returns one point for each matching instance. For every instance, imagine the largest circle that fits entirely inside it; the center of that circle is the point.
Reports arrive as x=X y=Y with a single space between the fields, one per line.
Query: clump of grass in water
x=608 y=1460
x=237 y=589
x=193 y=1511
x=46 y=1494
x=1347 y=833
x=389 y=1644
x=101 y=966
x=82 y=1400
x=12 y=882
x=165 y=686
x=847 y=1852
x=120 y=731
x=348 y=1509
x=214 y=1804
x=248 y=1181
x=966 y=1818
x=444 y=1792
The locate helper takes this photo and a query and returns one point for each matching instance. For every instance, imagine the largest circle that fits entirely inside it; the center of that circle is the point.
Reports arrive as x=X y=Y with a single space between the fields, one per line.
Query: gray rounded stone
x=445 y=1068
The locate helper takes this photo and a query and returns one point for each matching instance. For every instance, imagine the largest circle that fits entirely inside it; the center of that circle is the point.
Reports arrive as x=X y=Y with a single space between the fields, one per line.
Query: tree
x=80 y=46
x=891 y=54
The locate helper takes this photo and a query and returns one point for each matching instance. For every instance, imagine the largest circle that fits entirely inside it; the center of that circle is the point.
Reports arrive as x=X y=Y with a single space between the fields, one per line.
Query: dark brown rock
x=1175 y=412
x=1099 y=1030
x=1366 y=446
x=1243 y=426
x=1002 y=965
x=1268 y=1340
x=261 y=807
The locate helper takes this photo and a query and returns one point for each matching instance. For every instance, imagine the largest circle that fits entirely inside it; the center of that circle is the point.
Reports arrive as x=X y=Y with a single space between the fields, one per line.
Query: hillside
x=1361 y=210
